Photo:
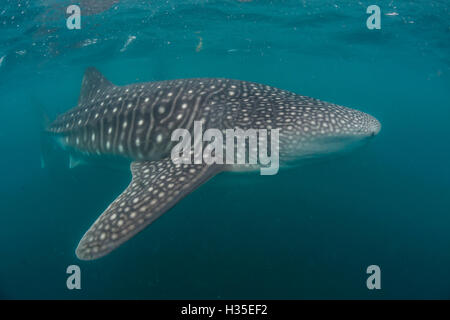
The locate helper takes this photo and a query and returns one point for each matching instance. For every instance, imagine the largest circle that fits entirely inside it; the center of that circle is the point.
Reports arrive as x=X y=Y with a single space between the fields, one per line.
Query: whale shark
x=135 y=122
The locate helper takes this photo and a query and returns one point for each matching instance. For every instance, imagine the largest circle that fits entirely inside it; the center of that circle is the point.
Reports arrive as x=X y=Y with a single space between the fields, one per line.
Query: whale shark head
x=330 y=129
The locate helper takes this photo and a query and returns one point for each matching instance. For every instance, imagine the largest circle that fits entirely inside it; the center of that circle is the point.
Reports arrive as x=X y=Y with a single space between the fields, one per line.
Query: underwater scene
x=116 y=180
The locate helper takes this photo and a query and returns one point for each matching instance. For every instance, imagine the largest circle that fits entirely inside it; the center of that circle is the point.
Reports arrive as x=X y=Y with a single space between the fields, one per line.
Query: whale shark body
x=136 y=121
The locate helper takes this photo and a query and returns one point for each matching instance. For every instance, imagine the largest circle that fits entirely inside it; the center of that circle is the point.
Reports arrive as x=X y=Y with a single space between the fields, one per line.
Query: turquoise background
x=309 y=232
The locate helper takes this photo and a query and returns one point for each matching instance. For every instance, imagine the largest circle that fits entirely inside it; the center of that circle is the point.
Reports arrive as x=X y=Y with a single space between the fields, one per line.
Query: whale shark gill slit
x=156 y=186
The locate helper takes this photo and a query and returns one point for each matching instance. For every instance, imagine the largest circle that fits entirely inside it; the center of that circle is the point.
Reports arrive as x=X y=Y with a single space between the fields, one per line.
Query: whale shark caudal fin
x=156 y=186
x=46 y=141
x=93 y=81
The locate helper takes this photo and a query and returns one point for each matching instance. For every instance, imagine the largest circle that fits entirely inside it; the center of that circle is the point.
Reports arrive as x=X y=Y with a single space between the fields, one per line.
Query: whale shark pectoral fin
x=93 y=81
x=156 y=186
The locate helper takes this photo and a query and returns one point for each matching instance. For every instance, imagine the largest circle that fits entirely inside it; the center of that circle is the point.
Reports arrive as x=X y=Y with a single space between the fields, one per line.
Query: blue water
x=309 y=232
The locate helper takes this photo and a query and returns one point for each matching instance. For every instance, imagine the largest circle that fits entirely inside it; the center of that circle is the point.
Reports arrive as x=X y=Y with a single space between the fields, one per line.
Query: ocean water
x=307 y=232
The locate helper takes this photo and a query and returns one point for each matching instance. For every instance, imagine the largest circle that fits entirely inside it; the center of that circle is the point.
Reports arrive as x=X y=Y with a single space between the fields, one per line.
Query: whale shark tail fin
x=46 y=141
x=46 y=145
x=93 y=82
x=156 y=186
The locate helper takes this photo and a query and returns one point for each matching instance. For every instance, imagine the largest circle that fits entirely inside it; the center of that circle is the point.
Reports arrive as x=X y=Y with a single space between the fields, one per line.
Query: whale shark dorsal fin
x=93 y=81
x=156 y=186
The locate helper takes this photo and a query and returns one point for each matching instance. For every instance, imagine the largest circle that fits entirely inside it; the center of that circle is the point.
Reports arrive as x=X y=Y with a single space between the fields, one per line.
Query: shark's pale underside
x=136 y=121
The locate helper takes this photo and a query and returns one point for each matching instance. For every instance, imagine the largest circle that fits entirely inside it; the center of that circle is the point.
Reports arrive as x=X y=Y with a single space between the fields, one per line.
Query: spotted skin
x=156 y=187
x=136 y=122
